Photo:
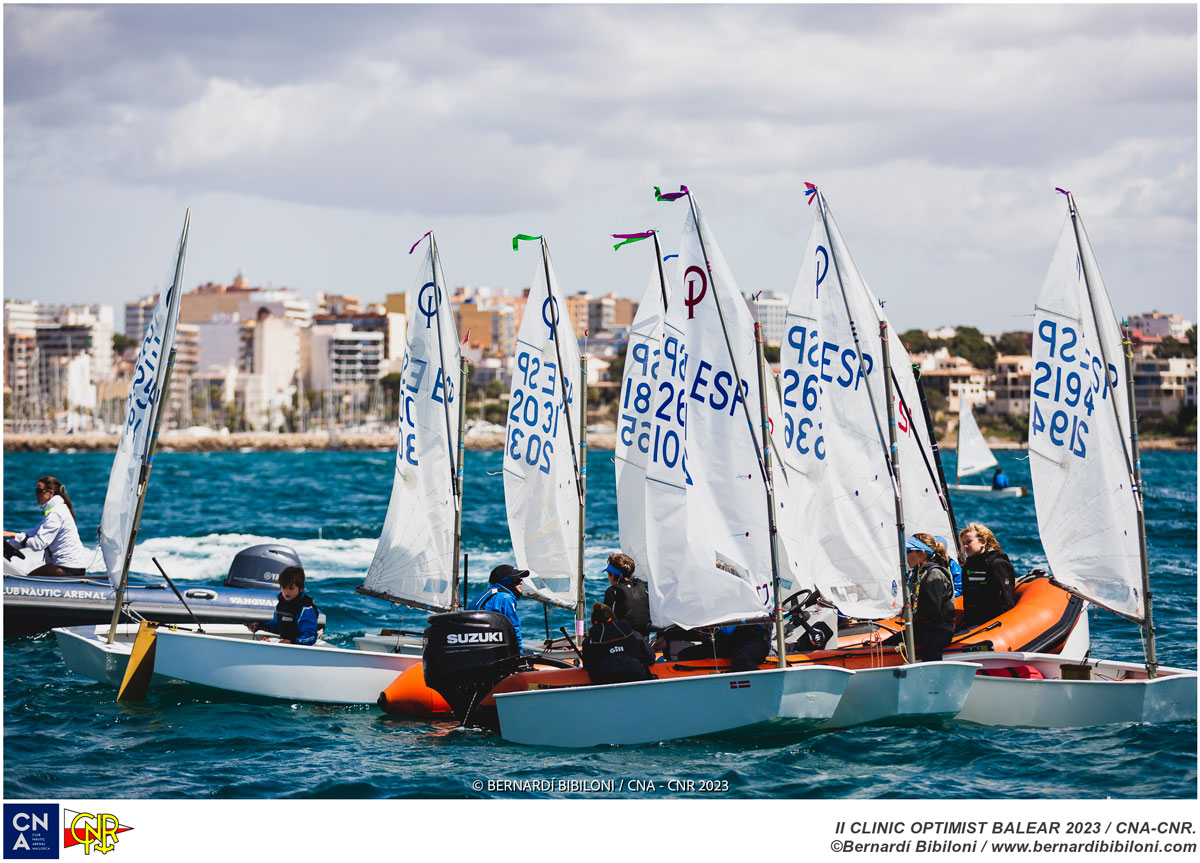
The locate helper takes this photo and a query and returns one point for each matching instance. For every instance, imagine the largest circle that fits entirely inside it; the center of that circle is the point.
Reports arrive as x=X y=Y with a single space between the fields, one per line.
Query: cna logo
x=94 y=832
x=30 y=831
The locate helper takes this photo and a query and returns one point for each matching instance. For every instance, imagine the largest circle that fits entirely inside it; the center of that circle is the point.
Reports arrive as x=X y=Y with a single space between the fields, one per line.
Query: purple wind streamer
x=418 y=242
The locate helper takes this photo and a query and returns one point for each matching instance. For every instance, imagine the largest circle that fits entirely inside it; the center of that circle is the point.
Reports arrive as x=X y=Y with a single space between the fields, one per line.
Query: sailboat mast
x=579 y=601
x=463 y=373
x=455 y=460
x=1134 y=465
x=1151 y=658
x=152 y=443
x=575 y=459
x=909 y=639
x=662 y=276
x=780 y=645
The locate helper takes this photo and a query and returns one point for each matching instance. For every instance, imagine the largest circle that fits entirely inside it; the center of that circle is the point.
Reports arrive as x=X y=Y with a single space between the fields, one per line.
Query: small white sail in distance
x=414 y=560
x=974 y=455
x=541 y=488
x=1079 y=434
x=145 y=400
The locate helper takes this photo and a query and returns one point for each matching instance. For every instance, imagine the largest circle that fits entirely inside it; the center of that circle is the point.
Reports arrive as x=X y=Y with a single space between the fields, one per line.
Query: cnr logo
x=94 y=832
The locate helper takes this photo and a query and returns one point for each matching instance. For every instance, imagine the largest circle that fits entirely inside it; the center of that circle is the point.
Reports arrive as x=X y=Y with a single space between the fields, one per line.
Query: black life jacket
x=614 y=653
x=632 y=602
x=287 y=611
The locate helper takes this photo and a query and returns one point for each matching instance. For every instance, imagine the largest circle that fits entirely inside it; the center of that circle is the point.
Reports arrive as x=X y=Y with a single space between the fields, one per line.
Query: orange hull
x=408 y=695
x=1041 y=621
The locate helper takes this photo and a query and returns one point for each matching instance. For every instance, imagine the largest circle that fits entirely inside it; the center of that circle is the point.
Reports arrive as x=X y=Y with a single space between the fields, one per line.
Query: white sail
x=541 y=489
x=414 y=561
x=1078 y=444
x=709 y=550
x=974 y=456
x=639 y=390
x=835 y=435
x=141 y=409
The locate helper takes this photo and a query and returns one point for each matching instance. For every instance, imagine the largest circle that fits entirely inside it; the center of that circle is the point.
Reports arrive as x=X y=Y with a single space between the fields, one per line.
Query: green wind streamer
x=524 y=237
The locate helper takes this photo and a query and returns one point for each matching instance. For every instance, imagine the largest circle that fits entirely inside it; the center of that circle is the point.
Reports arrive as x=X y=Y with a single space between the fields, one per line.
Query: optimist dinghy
x=975 y=456
x=1087 y=489
x=710 y=554
x=853 y=486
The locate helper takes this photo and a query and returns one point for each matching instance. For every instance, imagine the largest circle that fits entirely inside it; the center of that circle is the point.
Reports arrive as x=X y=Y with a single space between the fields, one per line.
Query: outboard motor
x=466 y=654
x=258 y=566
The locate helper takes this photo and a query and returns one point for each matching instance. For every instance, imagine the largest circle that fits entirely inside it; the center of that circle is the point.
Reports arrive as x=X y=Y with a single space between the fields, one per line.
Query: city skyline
x=315 y=144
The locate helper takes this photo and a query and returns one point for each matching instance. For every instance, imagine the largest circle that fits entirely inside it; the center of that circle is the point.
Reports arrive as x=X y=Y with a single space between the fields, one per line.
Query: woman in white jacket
x=56 y=533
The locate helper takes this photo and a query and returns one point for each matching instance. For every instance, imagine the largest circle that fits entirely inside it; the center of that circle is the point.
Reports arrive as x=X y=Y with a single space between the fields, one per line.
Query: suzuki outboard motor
x=258 y=566
x=466 y=654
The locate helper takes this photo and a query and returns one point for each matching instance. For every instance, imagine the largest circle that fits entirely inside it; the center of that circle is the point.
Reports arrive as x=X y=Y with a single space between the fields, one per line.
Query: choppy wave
x=205 y=507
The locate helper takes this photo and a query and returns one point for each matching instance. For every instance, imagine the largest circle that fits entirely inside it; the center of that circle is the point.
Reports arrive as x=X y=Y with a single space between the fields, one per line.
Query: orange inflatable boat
x=1041 y=621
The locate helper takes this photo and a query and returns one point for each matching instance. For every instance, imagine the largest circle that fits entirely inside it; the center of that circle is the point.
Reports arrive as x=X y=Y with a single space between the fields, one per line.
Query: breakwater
x=477 y=439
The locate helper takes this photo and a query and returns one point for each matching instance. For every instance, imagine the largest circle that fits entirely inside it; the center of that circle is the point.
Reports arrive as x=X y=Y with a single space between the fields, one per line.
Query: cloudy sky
x=315 y=144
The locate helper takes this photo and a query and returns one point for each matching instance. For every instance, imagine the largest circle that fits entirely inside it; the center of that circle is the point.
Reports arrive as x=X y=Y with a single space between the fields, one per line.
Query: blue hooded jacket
x=500 y=598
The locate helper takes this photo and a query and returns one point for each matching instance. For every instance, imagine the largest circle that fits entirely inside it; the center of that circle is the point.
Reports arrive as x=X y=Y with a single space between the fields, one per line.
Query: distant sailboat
x=974 y=457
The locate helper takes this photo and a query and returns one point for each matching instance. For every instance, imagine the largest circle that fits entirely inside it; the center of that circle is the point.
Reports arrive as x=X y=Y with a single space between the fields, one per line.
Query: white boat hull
x=377 y=642
x=270 y=669
x=1117 y=693
x=922 y=692
x=988 y=491
x=86 y=651
x=649 y=711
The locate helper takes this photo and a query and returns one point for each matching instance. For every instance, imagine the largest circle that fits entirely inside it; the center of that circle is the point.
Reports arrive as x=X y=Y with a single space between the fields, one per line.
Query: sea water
x=66 y=737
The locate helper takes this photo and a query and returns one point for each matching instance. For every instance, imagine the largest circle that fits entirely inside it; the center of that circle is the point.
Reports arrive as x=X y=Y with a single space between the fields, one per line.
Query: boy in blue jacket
x=296 y=614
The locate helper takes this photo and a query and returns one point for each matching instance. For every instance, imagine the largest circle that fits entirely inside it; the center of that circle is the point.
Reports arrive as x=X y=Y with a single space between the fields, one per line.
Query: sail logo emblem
x=430 y=310
x=739 y=684
x=692 y=299
x=821 y=273
x=94 y=832
x=550 y=318
x=30 y=831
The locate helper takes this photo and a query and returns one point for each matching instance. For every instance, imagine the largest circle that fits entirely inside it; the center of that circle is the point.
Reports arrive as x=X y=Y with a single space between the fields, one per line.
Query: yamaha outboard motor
x=258 y=566
x=466 y=654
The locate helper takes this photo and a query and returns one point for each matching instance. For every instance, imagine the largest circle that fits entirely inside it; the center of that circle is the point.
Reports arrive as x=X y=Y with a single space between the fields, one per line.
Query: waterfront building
x=770 y=310
x=1010 y=381
x=390 y=324
x=1164 y=386
x=953 y=377
x=336 y=356
x=214 y=301
x=338 y=304
x=1157 y=324
x=138 y=315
